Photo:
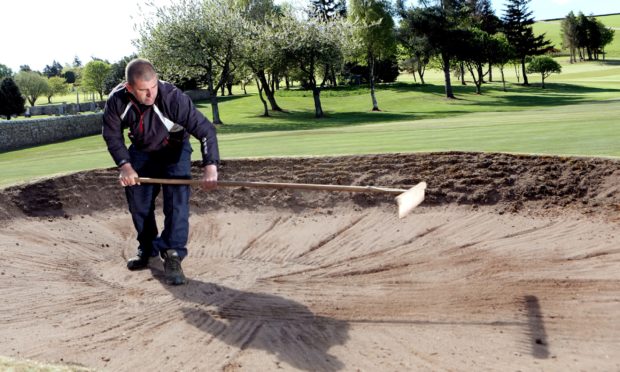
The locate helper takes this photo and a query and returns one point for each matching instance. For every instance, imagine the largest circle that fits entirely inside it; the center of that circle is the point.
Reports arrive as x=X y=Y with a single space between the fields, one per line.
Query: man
x=160 y=118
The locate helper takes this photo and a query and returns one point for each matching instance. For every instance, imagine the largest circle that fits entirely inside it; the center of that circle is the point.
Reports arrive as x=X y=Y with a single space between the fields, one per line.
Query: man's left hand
x=209 y=177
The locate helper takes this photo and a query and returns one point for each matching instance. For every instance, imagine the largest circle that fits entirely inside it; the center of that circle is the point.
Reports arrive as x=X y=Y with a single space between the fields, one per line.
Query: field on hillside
x=553 y=31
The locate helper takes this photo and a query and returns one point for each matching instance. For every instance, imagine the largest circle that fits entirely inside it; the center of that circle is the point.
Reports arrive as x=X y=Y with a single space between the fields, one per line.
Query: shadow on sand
x=277 y=325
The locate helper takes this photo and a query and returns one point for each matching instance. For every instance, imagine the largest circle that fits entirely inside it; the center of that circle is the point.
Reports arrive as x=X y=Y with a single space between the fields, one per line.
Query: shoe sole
x=175 y=282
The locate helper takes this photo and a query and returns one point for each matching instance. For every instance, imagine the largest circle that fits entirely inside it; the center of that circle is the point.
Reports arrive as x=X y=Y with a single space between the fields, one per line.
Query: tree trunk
x=273 y=82
x=268 y=92
x=543 y=80
x=446 y=74
x=215 y=109
x=517 y=73
x=260 y=94
x=229 y=86
x=316 y=94
x=213 y=95
x=287 y=82
x=325 y=76
x=480 y=73
x=371 y=64
x=473 y=70
x=462 y=73
x=525 y=82
x=490 y=73
x=501 y=70
x=421 y=69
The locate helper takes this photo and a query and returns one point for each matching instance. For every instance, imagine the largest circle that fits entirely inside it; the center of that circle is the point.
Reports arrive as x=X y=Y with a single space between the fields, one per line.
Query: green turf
x=588 y=129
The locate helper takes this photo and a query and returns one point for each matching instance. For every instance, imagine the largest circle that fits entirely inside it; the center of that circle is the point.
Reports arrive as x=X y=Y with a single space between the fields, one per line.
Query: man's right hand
x=128 y=175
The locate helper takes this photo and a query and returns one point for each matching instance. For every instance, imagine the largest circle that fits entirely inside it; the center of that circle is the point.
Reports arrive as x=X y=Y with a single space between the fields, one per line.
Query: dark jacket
x=168 y=122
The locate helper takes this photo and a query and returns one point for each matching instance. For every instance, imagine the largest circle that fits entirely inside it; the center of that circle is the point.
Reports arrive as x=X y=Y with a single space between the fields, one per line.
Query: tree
x=94 y=76
x=607 y=36
x=374 y=35
x=70 y=76
x=117 y=73
x=5 y=71
x=415 y=50
x=591 y=36
x=11 y=99
x=57 y=87
x=259 y=52
x=32 y=85
x=312 y=45
x=502 y=54
x=442 y=26
x=476 y=52
x=261 y=55
x=569 y=35
x=326 y=10
x=77 y=62
x=544 y=65
x=518 y=23
x=54 y=70
x=195 y=39
x=482 y=16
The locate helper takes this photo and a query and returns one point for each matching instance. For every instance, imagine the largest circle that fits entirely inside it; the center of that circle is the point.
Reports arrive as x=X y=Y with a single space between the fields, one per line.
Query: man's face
x=145 y=91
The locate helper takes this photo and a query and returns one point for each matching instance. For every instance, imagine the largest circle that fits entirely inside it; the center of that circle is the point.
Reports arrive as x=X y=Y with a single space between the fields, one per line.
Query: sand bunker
x=512 y=262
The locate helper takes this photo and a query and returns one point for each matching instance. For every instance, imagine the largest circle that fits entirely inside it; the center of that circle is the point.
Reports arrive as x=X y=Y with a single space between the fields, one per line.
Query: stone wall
x=16 y=134
x=65 y=108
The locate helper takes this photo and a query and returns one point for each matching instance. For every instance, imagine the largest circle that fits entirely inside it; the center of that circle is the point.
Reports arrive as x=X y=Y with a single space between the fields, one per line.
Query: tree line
x=214 y=44
x=585 y=36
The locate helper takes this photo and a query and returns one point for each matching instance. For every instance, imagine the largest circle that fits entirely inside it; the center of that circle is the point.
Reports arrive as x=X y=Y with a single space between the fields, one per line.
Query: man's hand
x=209 y=177
x=128 y=175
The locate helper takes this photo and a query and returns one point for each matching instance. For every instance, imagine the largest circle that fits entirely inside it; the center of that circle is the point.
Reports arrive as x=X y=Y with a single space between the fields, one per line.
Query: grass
x=21 y=365
x=565 y=119
x=586 y=130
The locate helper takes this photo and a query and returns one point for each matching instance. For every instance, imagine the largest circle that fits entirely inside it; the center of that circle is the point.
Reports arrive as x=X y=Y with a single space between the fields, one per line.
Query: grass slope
x=553 y=31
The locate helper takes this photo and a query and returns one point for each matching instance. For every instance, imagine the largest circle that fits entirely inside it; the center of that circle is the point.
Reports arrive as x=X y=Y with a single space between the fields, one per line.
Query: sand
x=511 y=263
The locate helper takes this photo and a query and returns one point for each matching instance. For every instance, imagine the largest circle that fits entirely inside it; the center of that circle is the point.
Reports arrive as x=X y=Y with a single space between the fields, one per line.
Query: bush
x=11 y=99
x=386 y=71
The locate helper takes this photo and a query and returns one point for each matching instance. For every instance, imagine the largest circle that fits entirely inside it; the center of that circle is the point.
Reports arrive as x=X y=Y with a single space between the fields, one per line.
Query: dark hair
x=139 y=69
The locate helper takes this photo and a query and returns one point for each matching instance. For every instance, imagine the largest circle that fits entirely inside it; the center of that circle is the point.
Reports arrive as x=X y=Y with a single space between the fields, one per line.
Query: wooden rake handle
x=278 y=185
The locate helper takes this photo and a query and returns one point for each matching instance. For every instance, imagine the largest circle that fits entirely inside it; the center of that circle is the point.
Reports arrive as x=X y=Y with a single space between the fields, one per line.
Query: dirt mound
x=510 y=263
x=508 y=182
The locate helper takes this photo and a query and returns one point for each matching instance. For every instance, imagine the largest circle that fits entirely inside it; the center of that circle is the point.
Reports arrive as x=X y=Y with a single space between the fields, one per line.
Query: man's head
x=142 y=80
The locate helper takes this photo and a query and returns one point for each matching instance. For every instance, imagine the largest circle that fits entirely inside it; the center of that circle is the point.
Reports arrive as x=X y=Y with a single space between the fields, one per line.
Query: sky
x=38 y=32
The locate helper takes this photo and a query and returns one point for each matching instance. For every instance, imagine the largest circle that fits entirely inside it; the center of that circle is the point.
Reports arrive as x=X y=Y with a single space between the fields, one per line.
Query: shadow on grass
x=608 y=62
x=220 y=99
x=305 y=120
x=493 y=99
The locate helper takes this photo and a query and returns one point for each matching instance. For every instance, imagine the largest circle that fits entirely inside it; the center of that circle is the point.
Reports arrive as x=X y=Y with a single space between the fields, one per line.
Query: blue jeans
x=166 y=163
